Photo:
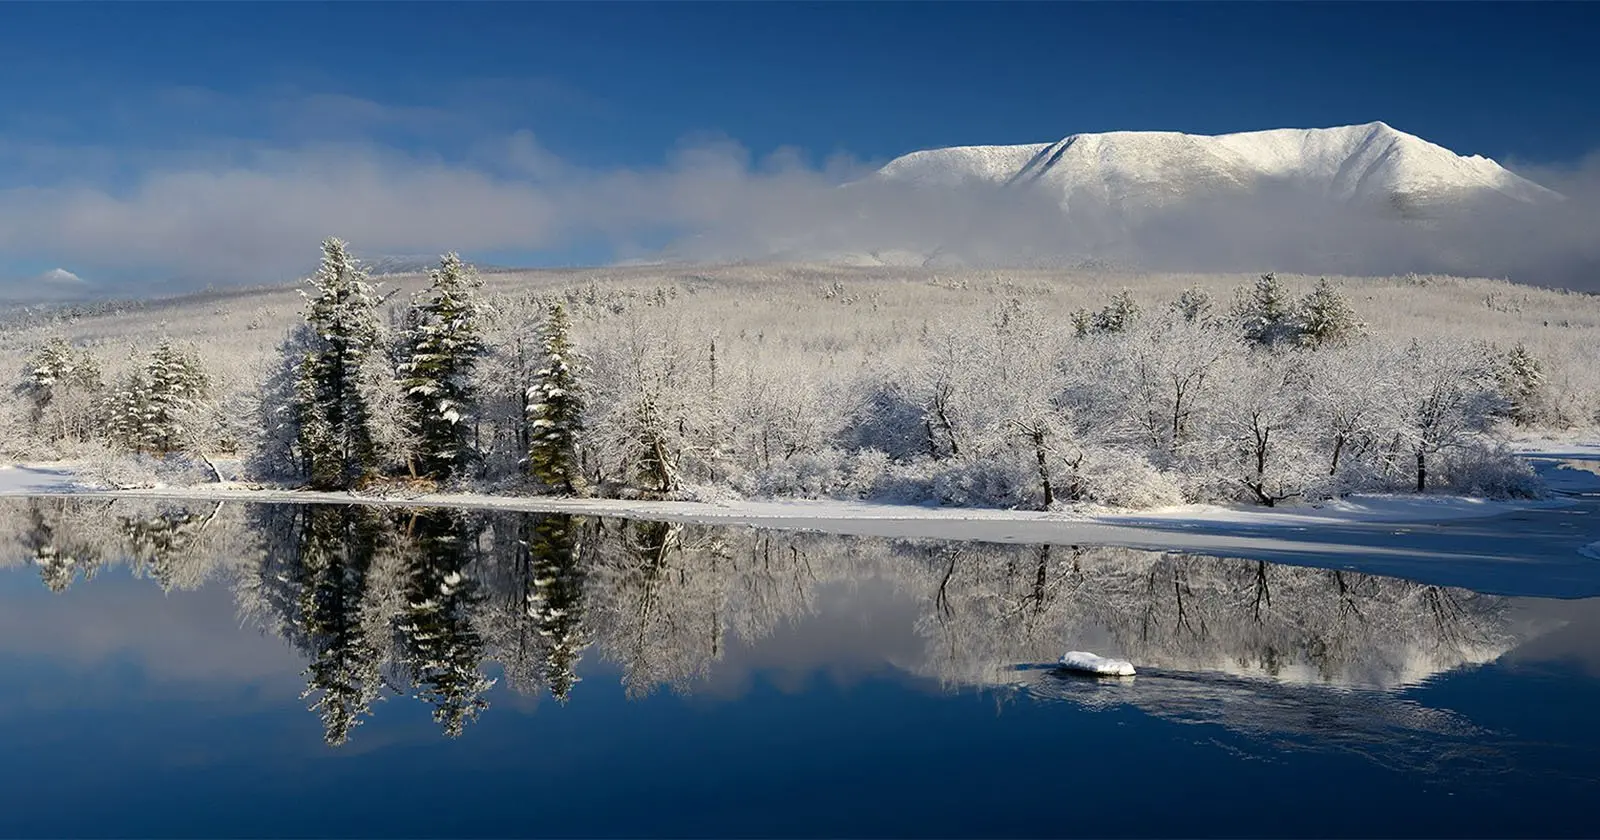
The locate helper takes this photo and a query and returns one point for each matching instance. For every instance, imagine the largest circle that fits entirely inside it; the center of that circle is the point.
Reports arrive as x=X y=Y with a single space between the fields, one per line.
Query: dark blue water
x=660 y=681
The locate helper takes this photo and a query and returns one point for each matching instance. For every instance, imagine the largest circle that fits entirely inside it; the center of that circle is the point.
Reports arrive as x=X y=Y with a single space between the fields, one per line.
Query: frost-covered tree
x=1521 y=378
x=1193 y=305
x=176 y=382
x=1265 y=312
x=442 y=346
x=555 y=410
x=1353 y=396
x=648 y=411
x=1115 y=317
x=61 y=386
x=334 y=438
x=1325 y=317
x=1265 y=423
x=1449 y=397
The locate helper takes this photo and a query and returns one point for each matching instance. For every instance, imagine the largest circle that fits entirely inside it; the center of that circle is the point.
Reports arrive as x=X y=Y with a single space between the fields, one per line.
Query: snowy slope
x=1372 y=163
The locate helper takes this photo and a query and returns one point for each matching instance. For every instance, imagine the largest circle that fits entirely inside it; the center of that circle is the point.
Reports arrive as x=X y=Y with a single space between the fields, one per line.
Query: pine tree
x=1326 y=318
x=334 y=435
x=54 y=374
x=146 y=412
x=1266 y=313
x=1193 y=305
x=176 y=383
x=1521 y=379
x=555 y=409
x=49 y=368
x=127 y=413
x=1116 y=316
x=441 y=352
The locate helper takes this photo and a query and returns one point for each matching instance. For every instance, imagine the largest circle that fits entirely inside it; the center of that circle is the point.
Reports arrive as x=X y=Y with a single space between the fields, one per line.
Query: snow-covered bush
x=1123 y=479
x=1491 y=471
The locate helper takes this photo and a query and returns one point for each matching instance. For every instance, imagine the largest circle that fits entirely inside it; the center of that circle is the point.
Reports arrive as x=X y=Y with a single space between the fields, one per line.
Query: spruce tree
x=1326 y=318
x=54 y=373
x=1116 y=316
x=1193 y=305
x=442 y=347
x=1521 y=377
x=555 y=409
x=175 y=383
x=1266 y=314
x=127 y=413
x=334 y=435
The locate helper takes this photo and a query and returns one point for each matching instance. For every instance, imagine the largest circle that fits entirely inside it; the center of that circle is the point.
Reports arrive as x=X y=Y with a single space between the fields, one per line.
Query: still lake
x=228 y=669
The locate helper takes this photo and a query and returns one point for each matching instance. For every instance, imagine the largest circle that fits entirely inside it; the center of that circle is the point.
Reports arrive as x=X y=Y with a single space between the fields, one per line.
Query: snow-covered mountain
x=1372 y=164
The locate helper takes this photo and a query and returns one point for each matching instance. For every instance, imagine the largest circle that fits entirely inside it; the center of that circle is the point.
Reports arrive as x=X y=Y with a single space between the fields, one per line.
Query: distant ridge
x=1372 y=164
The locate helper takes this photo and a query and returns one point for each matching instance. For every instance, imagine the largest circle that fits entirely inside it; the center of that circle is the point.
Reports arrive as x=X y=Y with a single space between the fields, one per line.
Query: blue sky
x=199 y=140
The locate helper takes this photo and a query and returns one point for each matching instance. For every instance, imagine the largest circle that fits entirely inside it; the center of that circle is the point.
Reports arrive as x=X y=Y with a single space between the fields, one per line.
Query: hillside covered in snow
x=1358 y=199
x=1373 y=165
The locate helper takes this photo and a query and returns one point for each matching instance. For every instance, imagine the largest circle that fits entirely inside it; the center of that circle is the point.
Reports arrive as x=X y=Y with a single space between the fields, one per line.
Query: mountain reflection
x=439 y=605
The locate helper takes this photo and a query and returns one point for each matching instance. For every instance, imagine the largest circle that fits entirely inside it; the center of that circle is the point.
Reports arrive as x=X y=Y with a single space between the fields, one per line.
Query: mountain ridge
x=1366 y=163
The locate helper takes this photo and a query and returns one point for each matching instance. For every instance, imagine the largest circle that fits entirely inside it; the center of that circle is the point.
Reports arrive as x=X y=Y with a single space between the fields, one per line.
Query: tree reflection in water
x=430 y=602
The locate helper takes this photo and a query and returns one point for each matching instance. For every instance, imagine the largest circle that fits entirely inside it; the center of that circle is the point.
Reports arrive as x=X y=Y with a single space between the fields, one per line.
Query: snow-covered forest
x=443 y=605
x=1027 y=388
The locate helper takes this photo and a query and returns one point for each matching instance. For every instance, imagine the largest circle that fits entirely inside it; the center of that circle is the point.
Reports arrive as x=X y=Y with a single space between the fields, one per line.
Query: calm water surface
x=291 y=670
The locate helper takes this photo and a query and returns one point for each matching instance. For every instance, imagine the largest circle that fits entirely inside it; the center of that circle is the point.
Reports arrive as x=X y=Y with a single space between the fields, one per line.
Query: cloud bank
x=254 y=212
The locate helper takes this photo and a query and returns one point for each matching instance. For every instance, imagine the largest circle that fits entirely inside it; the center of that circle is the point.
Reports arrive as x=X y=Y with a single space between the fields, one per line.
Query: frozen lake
x=218 y=668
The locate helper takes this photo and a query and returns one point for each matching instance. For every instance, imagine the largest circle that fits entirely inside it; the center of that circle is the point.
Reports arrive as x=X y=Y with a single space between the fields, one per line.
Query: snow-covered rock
x=1091 y=663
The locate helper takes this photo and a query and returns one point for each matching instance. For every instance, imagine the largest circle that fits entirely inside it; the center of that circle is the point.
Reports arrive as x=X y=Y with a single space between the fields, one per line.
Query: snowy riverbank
x=1519 y=547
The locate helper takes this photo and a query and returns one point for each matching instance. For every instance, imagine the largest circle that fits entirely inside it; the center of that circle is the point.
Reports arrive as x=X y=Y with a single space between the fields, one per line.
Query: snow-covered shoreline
x=1521 y=547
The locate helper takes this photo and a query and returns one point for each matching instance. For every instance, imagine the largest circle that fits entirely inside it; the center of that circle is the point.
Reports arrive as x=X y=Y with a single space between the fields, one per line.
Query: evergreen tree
x=334 y=437
x=1115 y=317
x=146 y=413
x=127 y=412
x=442 y=347
x=1521 y=379
x=54 y=375
x=1326 y=318
x=1193 y=305
x=555 y=409
x=1266 y=313
x=175 y=383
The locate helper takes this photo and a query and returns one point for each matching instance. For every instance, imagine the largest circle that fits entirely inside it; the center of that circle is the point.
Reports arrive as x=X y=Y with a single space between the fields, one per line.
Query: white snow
x=1541 y=554
x=1369 y=161
x=16 y=480
x=1359 y=507
x=1091 y=663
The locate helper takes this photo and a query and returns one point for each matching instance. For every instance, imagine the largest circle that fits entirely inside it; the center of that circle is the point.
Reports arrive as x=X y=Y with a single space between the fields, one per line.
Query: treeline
x=1267 y=397
x=429 y=603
